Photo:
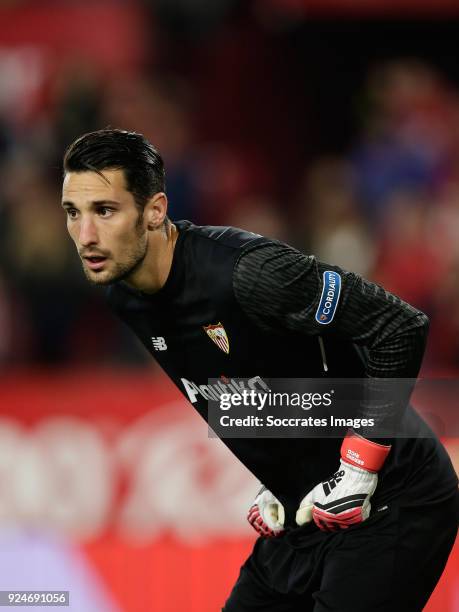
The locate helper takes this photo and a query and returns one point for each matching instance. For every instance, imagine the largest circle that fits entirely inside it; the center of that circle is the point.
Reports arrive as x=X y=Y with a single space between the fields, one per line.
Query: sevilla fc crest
x=218 y=335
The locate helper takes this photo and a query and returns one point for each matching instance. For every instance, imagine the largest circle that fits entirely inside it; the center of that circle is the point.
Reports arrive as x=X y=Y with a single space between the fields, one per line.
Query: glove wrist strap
x=362 y=453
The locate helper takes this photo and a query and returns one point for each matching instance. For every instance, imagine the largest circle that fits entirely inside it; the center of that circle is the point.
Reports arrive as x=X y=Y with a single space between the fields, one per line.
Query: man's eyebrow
x=105 y=202
x=68 y=204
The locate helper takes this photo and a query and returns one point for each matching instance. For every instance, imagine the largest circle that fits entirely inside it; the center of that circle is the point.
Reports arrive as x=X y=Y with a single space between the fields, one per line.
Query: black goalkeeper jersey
x=271 y=301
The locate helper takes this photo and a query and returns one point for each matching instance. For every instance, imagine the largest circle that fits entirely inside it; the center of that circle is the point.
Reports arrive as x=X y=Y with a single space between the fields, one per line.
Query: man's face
x=105 y=224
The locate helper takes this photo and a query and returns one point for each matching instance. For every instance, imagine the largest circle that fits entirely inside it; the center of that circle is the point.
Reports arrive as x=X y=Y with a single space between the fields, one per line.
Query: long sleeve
x=281 y=289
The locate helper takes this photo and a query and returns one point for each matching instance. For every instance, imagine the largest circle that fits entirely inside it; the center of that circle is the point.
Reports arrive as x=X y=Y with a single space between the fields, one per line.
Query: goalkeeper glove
x=344 y=499
x=267 y=515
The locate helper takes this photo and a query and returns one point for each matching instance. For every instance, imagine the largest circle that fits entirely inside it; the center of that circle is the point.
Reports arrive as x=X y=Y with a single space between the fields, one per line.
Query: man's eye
x=72 y=213
x=104 y=211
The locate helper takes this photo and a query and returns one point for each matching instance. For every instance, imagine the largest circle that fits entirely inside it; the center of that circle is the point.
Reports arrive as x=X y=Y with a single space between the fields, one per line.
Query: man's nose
x=88 y=232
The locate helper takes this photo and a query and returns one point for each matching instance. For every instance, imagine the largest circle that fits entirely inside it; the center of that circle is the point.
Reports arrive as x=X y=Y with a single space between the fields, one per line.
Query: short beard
x=133 y=263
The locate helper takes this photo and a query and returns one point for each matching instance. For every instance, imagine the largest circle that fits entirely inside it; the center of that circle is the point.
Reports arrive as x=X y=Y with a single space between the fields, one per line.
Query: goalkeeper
x=356 y=524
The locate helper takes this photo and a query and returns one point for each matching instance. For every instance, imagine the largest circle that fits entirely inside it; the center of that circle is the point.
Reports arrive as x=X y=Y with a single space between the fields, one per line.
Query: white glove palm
x=267 y=514
x=341 y=501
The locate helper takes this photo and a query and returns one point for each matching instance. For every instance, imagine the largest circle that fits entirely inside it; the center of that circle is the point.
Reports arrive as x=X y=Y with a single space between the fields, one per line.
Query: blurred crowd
x=387 y=208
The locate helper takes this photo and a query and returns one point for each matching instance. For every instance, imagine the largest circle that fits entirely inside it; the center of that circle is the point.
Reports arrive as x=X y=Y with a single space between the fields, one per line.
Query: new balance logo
x=330 y=484
x=159 y=344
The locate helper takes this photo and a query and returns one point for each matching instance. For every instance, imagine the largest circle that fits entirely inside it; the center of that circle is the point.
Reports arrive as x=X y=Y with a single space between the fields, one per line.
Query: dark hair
x=113 y=149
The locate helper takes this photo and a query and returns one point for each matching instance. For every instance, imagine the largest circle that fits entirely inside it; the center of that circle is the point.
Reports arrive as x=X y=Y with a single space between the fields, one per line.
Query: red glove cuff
x=367 y=455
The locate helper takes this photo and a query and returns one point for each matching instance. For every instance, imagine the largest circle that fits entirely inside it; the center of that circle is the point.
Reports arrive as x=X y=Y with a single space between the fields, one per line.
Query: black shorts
x=389 y=563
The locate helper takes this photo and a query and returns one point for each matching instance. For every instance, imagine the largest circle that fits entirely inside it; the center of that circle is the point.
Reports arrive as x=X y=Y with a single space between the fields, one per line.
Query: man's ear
x=155 y=211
